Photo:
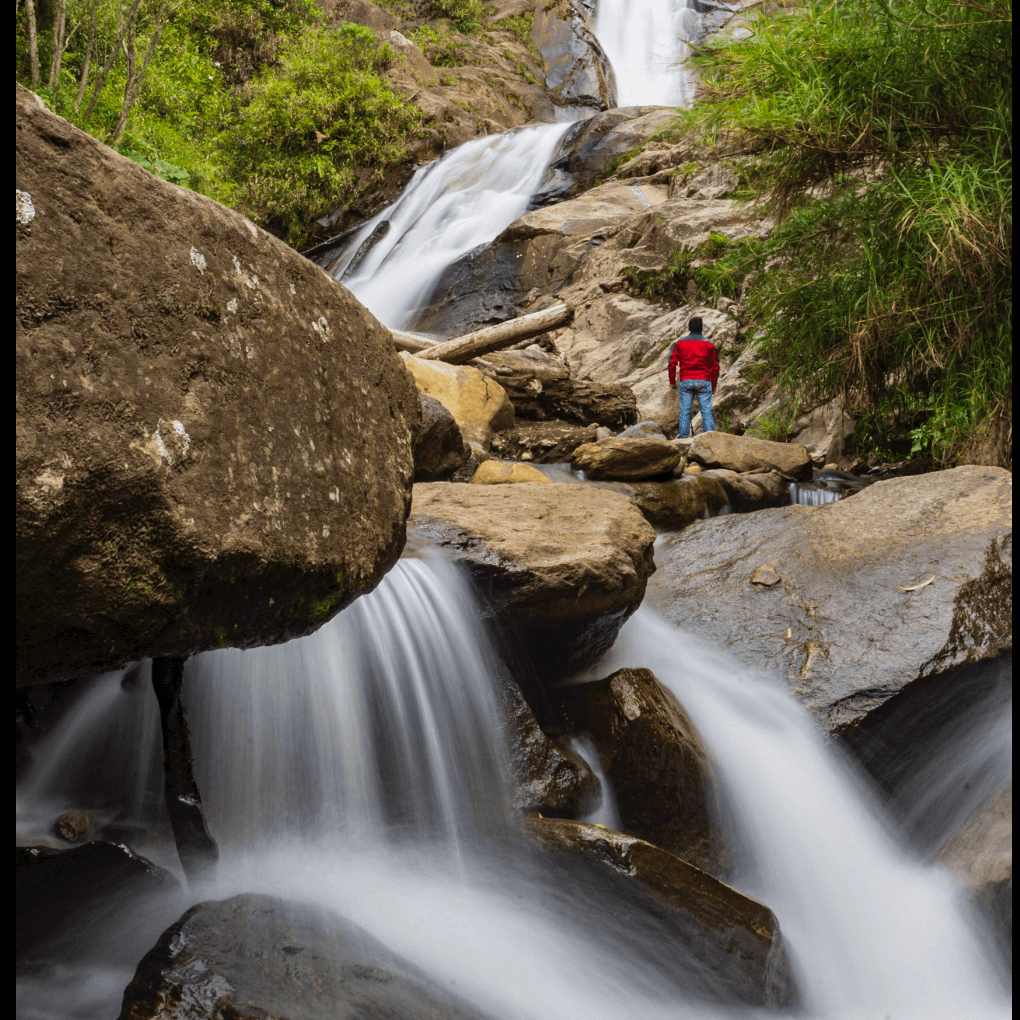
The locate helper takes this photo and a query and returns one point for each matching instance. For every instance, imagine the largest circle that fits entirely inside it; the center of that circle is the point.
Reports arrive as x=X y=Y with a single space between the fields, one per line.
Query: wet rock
x=260 y=956
x=658 y=767
x=590 y=149
x=212 y=435
x=61 y=894
x=744 y=453
x=728 y=939
x=979 y=855
x=478 y=404
x=754 y=490
x=643 y=430
x=547 y=778
x=439 y=449
x=905 y=581
x=477 y=456
x=74 y=826
x=675 y=504
x=498 y=472
x=562 y=566
x=823 y=431
x=577 y=70
x=626 y=460
x=545 y=442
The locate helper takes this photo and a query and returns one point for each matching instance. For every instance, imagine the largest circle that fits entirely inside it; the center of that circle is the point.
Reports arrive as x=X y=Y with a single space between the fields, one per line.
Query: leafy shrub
x=463 y=15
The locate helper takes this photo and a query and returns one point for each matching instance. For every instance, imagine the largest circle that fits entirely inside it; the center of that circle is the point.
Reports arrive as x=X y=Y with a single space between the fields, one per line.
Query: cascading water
x=450 y=207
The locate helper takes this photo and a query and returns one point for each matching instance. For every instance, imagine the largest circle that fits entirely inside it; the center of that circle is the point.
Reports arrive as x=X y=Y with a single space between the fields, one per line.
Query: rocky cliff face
x=213 y=437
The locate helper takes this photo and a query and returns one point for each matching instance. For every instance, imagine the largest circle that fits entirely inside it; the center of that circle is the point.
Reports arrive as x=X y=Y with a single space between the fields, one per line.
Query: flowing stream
x=363 y=768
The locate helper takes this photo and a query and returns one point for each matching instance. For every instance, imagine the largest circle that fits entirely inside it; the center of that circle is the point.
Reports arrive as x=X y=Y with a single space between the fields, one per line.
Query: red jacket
x=693 y=357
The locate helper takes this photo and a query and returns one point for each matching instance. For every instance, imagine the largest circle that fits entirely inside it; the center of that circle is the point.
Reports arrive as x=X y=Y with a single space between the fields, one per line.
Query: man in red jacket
x=694 y=363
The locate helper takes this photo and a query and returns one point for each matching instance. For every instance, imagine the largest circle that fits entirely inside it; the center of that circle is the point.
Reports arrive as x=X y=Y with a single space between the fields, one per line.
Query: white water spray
x=451 y=206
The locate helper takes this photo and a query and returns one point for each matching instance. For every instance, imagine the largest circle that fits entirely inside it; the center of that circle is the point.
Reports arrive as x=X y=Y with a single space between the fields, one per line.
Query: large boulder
x=260 y=956
x=851 y=602
x=577 y=70
x=732 y=942
x=478 y=404
x=979 y=855
x=439 y=447
x=213 y=437
x=745 y=453
x=654 y=759
x=626 y=459
x=541 y=388
x=562 y=566
x=545 y=442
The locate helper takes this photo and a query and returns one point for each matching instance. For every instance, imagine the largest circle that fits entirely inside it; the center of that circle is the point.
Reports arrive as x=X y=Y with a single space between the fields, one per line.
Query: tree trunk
x=59 y=43
x=88 y=60
x=33 y=42
x=105 y=73
x=411 y=342
x=494 y=338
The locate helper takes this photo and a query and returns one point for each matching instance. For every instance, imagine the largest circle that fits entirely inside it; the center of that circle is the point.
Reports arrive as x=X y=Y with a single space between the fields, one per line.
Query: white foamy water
x=646 y=42
x=451 y=206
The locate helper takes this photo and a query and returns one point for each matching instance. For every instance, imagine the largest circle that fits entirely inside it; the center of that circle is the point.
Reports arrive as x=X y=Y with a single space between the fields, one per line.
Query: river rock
x=745 y=453
x=213 y=437
x=677 y=503
x=261 y=956
x=439 y=448
x=626 y=460
x=577 y=70
x=74 y=826
x=65 y=895
x=715 y=927
x=544 y=442
x=655 y=760
x=547 y=778
x=642 y=430
x=562 y=566
x=905 y=581
x=478 y=404
x=500 y=472
x=541 y=389
x=979 y=855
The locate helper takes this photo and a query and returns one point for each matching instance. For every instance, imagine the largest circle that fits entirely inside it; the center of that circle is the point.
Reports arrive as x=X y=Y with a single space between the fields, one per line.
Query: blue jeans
x=703 y=388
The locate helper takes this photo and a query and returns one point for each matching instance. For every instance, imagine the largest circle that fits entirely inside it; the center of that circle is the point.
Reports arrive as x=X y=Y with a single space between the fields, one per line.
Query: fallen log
x=411 y=342
x=494 y=338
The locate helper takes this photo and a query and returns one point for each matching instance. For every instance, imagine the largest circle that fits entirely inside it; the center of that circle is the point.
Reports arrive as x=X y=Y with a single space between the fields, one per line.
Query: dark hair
x=695 y=325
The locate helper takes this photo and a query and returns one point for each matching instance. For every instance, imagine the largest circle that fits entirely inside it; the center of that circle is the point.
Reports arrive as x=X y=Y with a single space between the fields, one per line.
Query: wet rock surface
x=259 y=956
x=907 y=580
x=726 y=942
x=745 y=453
x=549 y=442
x=439 y=448
x=71 y=895
x=979 y=855
x=654 y=759
x=626 y=459
x=212 y=435
x=561 y=566
x=577 y=70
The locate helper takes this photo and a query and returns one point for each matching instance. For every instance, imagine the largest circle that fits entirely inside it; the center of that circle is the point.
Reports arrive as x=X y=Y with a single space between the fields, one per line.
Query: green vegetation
x=249 y=101
x=463 y=15
x=699 y=273
x=880 y=136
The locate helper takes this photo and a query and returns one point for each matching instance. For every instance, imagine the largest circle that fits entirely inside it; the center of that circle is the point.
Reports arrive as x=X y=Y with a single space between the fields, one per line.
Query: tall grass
x=880 y=136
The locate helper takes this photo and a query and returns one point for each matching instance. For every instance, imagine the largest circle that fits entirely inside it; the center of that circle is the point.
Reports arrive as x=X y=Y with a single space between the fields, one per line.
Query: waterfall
x=646 y=42
x=450 y=207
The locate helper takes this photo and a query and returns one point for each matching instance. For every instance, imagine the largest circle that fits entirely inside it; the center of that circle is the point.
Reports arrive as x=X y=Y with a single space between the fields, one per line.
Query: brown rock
x=626 y=460
x=478 y=404
x=212 y=435
x=547 y=442
x=439 y=447
x=676 y=504
x=74 y=826
x=851 y=622
x=577 y=70
x=654 y=758
x=735 y=937
x=562 y=565
x=500 y=472
x=744 y=453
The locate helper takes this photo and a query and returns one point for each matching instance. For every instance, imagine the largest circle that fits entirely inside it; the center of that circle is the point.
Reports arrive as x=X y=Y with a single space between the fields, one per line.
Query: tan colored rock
x=74 y=826
x=564 y=565
x=213 y=437
x=626 y=459
x=478 y=404
x=979 y=855
x=735 y=938
x=744 y=453
x=659 y=768
x=823 y=432
x=680 y=502
x=852 y=622
x=501 y=472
